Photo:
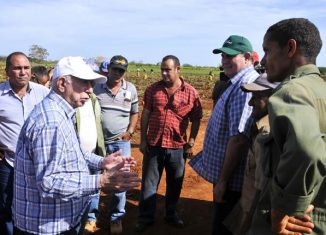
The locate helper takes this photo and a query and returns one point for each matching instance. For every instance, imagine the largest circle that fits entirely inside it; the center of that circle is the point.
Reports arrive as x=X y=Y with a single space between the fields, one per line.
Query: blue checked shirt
x=52 y=183
x=230 y=117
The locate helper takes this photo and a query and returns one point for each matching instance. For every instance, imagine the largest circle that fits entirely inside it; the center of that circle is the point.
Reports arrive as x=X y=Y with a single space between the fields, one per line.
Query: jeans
x=117 y=200
x=153 y=164
x=93 y=209
x=6 y=194
x=221 y=210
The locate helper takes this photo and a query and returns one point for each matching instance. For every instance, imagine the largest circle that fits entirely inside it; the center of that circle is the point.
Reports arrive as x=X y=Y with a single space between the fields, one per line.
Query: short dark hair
x=172 y=57
x=40 y=70
x=8 y=59
x=304 y=32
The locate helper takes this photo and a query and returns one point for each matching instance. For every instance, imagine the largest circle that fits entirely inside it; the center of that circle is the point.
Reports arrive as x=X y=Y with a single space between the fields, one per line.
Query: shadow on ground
x=194 y=213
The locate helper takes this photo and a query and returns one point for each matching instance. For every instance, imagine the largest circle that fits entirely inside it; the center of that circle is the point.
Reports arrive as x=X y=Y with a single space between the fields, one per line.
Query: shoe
x=141 y=226
x=174 y=221
x=90 y=227
x=116 y=227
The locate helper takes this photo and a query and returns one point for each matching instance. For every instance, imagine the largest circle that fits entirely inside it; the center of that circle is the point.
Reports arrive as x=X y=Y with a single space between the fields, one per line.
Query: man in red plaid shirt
x=169 y=105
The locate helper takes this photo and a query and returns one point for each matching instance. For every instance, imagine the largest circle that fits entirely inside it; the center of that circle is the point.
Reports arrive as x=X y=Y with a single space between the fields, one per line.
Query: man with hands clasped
x=52 y=180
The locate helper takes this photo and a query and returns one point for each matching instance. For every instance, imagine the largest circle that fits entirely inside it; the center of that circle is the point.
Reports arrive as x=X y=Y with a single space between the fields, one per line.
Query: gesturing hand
x=116 y=161
x=117 y=180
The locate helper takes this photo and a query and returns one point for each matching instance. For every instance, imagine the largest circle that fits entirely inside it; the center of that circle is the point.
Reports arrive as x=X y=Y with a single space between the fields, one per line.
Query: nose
x=251 y=101
x=22 y=70
x=89 y=87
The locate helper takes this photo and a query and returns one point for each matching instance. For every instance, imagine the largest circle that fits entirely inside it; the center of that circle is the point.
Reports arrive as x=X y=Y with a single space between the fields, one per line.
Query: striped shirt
x=116 y=109
x=52 y=182
x=170 y=116
x=230 y=117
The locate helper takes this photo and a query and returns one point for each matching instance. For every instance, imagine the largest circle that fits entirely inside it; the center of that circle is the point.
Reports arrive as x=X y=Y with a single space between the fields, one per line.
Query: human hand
x=116 y=161
x=188 y=151
x=113 y=161
x=283 y=224
x=126 y=136
x=219 y=191
x=117 y=180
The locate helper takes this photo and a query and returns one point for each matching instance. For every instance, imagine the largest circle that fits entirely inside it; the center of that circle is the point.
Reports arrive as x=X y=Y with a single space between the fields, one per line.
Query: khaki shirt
x=297 y=113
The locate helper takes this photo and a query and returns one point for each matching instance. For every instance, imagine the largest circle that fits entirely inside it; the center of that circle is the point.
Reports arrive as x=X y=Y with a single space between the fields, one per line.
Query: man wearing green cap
x=226 y=142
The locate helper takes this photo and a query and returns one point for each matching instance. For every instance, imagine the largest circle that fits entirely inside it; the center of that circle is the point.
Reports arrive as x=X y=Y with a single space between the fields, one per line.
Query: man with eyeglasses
x=53 y=184
x=226 y=142
x=18 y=96
x=119 y=108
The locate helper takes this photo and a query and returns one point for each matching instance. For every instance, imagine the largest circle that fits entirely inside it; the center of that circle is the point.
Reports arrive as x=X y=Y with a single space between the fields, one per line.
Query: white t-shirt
x=87 y=132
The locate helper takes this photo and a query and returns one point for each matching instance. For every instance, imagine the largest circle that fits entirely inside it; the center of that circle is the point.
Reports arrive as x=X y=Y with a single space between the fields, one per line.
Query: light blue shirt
x=52 y=181
x=230 y=117
x=14 y=110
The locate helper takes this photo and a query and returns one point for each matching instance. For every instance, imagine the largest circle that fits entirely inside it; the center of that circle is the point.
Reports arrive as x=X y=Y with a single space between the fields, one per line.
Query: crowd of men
x=264 y=150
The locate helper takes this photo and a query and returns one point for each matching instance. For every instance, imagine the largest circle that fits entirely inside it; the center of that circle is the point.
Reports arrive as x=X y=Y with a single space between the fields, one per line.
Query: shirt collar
x=305 y=70
x=62 y=103
x=8 y=88
x=236 y=78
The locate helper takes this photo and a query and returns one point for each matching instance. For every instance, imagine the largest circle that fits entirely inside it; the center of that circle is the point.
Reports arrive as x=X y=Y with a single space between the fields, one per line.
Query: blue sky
x=146 y=30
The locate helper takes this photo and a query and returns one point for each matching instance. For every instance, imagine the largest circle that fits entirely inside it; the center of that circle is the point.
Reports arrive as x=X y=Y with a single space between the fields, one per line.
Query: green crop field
x=142 y=75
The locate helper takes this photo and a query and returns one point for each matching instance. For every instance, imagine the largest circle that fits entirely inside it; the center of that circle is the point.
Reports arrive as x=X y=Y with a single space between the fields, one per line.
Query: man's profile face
x=232 y=64
x=77 y=91
x=275 y=60
x=259 y=101
x=19 y=72
x=116 y=73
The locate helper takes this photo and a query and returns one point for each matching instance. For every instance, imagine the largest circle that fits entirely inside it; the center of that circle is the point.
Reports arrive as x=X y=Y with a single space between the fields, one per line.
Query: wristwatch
x=130 y=133
x=191 y=144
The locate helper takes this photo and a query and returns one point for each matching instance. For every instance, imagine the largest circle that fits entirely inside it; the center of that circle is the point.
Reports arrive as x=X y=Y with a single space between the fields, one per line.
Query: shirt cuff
x=91 y=184
x=292 y=205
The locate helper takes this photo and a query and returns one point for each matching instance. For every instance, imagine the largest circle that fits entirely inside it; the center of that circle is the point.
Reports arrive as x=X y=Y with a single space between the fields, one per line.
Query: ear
x=292 y=47
x=61 y=84
x=247 y=56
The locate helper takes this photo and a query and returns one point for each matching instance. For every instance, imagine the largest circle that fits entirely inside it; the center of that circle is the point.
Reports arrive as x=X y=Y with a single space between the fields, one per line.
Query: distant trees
x=38 y=53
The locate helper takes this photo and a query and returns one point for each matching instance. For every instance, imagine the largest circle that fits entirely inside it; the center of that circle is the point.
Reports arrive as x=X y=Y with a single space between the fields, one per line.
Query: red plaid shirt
x=170 y=116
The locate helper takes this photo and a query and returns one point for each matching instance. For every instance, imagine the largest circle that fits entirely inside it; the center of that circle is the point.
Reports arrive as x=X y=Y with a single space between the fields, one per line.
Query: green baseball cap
x=235 y=45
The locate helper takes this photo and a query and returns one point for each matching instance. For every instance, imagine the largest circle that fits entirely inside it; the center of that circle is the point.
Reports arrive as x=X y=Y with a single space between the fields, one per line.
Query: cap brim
x=251 y=87
x=227 y=51
x=92 y=76
x=117 y=66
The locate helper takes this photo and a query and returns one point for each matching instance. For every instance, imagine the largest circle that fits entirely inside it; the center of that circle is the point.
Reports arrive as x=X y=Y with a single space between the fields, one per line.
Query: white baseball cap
x=77 y=67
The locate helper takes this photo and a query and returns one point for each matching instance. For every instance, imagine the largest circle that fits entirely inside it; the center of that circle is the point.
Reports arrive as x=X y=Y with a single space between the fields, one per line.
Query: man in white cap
x=53 y=184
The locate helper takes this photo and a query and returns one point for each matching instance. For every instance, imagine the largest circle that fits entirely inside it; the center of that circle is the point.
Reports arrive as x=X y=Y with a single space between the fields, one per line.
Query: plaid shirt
x=230 y=117
x=52 y=182
x=170 y=116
